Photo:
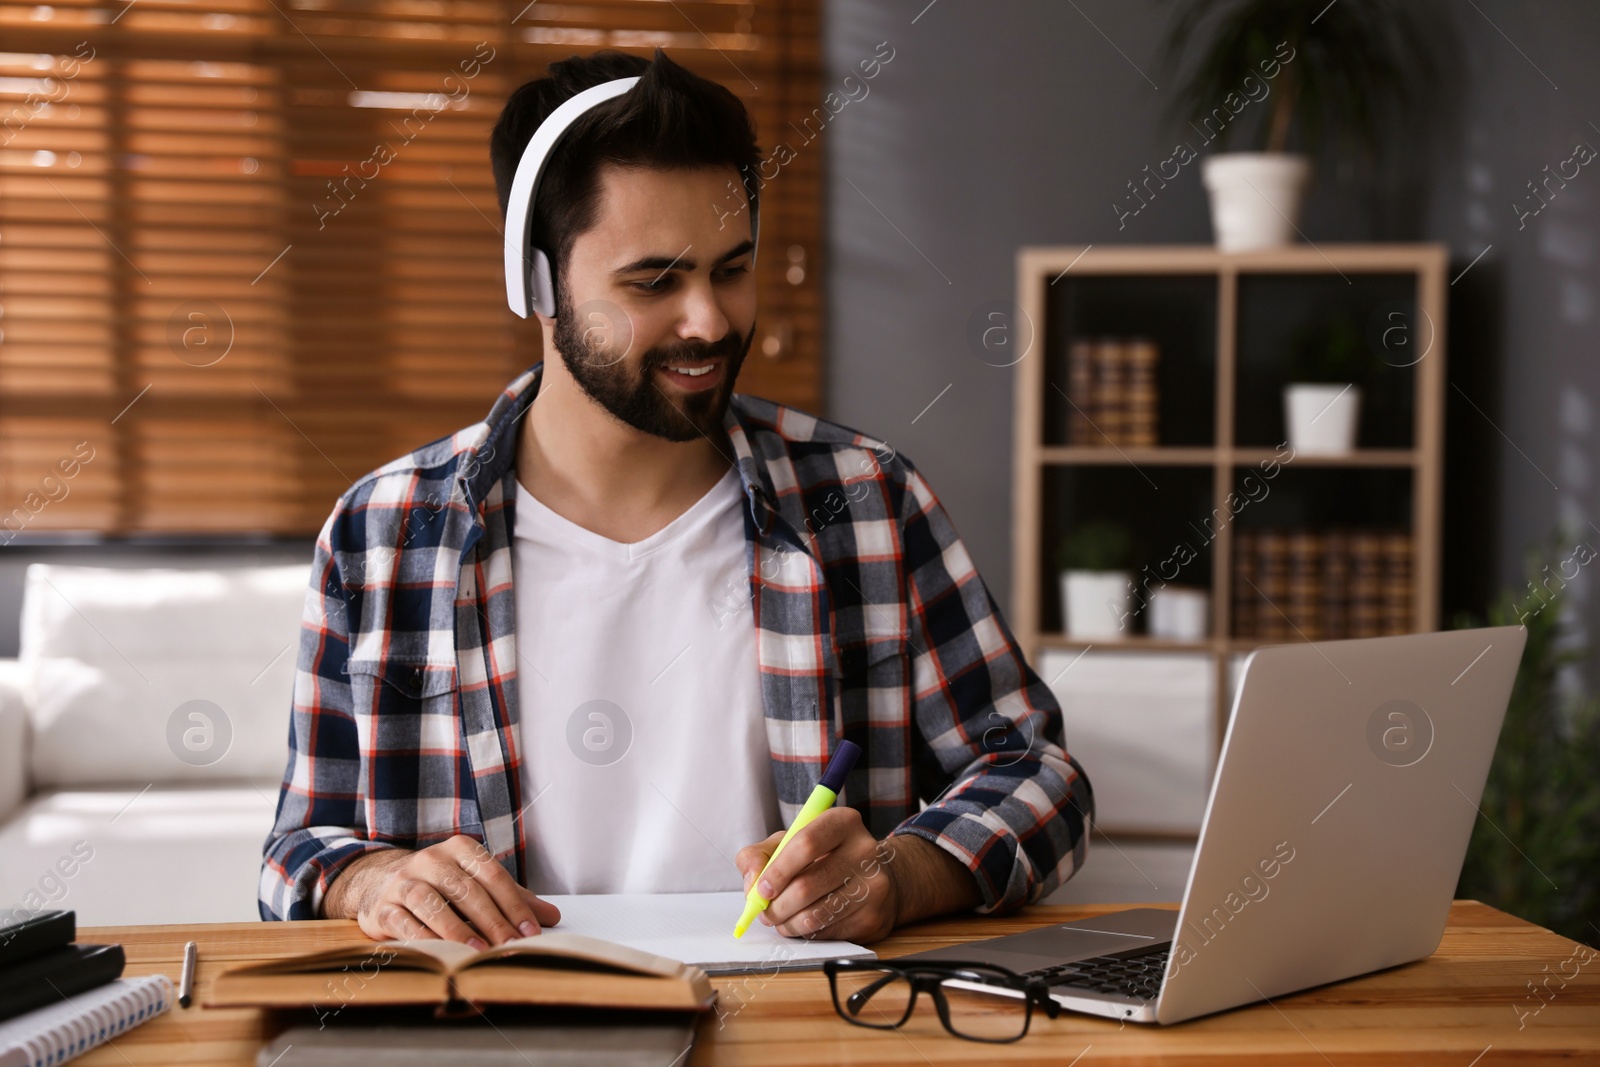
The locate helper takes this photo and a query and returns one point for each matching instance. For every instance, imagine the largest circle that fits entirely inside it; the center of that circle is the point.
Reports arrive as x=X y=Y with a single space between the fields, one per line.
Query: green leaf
x=1097 y=545
x=1354 y=66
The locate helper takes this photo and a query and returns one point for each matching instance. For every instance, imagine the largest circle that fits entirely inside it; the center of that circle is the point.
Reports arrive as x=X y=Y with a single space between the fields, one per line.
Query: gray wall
x=998 y=125
x=1524 y=108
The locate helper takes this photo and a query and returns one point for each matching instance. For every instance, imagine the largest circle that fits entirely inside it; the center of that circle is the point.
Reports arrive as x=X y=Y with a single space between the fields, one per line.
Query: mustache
x=728 y=346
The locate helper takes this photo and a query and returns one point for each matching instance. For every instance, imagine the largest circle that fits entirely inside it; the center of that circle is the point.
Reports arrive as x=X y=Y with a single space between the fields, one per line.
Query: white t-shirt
x=643 y=740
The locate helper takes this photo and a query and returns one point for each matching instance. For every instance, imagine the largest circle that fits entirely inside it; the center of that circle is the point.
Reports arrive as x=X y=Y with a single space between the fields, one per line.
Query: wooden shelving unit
x=1242 y=298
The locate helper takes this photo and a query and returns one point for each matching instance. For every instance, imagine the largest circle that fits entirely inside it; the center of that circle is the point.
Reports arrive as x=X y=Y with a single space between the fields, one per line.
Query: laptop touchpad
x=1065 y=942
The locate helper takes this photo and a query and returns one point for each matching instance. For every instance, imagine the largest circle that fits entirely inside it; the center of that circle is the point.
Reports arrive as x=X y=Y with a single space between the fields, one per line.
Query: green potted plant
x=1329 y=362
x=1331 y=72
x=1096 y=584
x=1536 y=851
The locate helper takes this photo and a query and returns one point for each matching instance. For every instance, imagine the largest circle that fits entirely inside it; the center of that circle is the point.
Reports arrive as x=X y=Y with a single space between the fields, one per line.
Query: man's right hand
x=455 y=891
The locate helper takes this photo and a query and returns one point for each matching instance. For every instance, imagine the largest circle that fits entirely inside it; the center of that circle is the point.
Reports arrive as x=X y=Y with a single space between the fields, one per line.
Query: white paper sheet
x=696 y=928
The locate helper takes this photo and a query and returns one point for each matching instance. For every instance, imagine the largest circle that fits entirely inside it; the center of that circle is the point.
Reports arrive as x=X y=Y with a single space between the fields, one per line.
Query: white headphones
x=529 y=283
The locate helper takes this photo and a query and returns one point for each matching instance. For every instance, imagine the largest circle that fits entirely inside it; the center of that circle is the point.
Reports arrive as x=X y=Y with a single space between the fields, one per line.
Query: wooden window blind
x=250 y=249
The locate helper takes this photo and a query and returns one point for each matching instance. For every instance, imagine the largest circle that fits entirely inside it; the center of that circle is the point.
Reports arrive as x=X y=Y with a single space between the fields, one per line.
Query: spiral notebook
x=78 y=1023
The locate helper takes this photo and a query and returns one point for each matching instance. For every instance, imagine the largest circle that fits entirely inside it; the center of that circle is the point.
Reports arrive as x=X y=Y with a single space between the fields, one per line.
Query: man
x=606 y=639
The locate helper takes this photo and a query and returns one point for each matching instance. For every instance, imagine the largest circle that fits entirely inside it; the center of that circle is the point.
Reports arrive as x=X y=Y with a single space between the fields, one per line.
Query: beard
x=627 y=387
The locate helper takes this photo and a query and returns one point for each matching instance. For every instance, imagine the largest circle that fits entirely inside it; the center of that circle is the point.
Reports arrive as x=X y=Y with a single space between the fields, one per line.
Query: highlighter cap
x=840 y=766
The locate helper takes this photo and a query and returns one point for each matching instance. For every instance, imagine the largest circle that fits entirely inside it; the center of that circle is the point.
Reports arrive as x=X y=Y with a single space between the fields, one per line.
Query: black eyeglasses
x=977 y=1001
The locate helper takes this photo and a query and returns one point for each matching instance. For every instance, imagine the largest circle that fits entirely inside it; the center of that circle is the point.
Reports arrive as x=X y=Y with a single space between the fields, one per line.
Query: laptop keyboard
x=1136 y=975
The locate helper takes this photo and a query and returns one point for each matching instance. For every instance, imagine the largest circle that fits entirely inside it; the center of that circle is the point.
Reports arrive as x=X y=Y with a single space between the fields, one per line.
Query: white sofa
x=143 y=734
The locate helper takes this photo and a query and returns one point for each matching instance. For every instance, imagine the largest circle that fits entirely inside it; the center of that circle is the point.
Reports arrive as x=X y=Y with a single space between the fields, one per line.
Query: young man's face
x=656 y=306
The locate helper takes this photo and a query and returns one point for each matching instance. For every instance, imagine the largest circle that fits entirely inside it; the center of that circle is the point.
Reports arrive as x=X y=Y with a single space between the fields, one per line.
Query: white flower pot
x=1322 y=418
x=1096 y=603
x=1179 y=613
x=1255 y=197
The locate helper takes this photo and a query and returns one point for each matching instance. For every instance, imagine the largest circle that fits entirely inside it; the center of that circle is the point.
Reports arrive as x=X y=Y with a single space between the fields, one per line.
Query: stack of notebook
x=59 y=999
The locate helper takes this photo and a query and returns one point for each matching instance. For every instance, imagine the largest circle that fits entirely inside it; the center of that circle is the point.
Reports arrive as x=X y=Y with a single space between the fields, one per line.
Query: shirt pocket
x=872 y=676
x=409 y=727
x=403 y=681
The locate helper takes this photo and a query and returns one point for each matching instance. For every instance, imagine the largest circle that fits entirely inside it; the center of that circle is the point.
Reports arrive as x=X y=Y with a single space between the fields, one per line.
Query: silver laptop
x=1345 y=794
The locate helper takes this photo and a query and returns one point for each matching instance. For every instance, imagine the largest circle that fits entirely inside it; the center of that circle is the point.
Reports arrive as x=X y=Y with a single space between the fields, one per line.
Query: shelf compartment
x=1161 y=506
x=1144 y=736
x=1178 y=312
x=1325 y=497
x=1271 y=308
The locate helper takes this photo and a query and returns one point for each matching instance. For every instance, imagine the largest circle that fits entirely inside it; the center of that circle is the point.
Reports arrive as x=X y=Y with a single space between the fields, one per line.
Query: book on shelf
x=1113 y=391
x=1245 y=597
x=1308 y=584
x=1304 y=583
x=1108 y=402
x=550 y=969
x=1139 y=423
x=1366 y=583
x=1396 y=606
x=1080 y=389
x=1272 y=584
x=1336 y=585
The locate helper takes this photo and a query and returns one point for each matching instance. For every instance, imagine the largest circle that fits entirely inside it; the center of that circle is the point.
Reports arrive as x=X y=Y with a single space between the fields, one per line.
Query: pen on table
x=186 y=979
x=820 y=800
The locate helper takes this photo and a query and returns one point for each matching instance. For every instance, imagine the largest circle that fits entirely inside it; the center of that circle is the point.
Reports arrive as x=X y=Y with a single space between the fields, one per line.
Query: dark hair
x=672 y=118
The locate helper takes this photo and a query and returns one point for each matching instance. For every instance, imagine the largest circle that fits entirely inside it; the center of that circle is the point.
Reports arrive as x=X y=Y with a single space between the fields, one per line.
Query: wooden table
x=1468 y=1005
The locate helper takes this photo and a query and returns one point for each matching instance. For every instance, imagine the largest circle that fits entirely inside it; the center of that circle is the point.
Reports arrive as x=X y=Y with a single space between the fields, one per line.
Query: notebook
x=27 y=932
x=696 y=928
x=58 y=972
x=635 y=1040
x=72 y=1026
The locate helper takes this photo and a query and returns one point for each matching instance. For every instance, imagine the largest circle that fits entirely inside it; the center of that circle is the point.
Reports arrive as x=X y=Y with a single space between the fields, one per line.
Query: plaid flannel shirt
x=871 y=624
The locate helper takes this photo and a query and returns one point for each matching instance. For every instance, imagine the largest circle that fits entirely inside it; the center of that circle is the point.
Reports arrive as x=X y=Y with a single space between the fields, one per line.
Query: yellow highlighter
x=820 y=800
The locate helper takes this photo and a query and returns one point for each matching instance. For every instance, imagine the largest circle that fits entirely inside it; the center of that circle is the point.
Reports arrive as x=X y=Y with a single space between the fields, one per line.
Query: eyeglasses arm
x=857 y=1000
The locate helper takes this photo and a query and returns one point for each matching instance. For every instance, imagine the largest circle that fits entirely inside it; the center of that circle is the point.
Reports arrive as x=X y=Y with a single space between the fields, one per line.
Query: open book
x=552 y=968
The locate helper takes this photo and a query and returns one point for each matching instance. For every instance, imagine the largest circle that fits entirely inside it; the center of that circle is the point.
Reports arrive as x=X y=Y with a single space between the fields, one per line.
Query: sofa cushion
x=175 y=854
x=13 y=737
x=159 y=675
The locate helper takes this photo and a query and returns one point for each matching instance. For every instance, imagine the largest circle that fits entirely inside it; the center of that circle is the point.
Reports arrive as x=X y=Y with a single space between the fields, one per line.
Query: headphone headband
x=530 y=284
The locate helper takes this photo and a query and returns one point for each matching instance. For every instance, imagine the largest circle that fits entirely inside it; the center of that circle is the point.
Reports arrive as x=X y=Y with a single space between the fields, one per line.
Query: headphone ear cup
x=541 y=285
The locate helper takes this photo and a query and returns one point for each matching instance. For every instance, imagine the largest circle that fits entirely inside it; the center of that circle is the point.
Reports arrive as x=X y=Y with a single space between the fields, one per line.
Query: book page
x=568 y=945
x=440 y=957
x=452 y=954
x=696 y=928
